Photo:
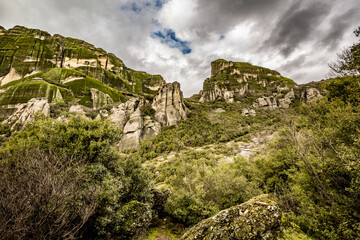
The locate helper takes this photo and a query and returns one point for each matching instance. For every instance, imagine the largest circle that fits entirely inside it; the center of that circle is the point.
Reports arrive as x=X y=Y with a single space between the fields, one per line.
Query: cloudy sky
x=179 y=38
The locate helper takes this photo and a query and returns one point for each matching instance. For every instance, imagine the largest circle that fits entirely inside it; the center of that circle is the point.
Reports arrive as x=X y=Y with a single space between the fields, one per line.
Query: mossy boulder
x=258 y=218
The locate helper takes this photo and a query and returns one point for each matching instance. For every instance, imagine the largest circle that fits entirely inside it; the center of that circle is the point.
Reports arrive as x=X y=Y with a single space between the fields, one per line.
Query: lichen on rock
x=258 y=218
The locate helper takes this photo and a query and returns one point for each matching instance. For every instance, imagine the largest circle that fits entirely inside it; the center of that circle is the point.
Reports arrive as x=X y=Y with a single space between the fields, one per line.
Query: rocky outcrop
x=26 y=112
x=287 y=100
x=310 y=95
x=266 y=102
x=259 y=218
x=246 y=112
x=78 y=110
x=230 y=80
x=99 y=99
x=136 y=126
x=169 y=105
x=277 y=100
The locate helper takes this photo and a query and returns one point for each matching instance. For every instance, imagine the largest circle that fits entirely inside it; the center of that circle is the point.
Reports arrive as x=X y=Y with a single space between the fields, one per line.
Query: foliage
x=117 y=182
x=314 y=166
x=200 y=186
x=206 y=126
x=42 y=196
x=348 y=61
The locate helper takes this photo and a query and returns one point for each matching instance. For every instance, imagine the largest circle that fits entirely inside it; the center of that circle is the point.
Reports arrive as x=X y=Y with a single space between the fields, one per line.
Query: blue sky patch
x=137 y=6
x=222 y=37
x=168 y=37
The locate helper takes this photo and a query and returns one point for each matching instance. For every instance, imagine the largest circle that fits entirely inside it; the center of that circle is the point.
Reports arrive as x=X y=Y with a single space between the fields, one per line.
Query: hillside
x=91 y=149
x=53 y=66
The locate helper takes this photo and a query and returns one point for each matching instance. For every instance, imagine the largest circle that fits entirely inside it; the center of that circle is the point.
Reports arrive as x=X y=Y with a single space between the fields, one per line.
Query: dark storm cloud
x=307 y=33
x=296 y=26
x=220 y=16
x=339 y=26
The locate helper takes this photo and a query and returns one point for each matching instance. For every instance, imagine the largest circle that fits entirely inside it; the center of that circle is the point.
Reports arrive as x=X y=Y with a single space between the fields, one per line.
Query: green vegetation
x=28 y=50
x=65 y=179
x=82 y=185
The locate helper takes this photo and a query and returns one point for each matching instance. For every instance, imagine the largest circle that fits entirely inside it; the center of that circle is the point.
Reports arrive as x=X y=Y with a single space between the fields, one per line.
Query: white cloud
x=247 y=27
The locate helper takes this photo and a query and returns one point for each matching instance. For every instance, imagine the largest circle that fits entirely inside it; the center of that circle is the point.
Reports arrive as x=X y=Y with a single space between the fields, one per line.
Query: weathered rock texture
x=230 y=80
x=136 y=126
x=310 y=95
x=259 y=218
x=74 y=68
x=169 y=104
x=25 y=112
x=169 y=109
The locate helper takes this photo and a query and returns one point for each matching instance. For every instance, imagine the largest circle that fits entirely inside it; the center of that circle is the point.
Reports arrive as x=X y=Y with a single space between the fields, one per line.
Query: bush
x=78 y=144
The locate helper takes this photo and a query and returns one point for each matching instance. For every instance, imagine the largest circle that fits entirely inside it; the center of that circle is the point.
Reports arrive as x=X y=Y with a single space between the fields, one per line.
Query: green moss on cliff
x=27 y=50
x=26 y=90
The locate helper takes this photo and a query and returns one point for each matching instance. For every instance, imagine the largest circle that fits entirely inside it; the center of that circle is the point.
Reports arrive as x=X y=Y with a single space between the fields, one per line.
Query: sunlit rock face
x=168 y=109
x=169 y=105
x=26 y=112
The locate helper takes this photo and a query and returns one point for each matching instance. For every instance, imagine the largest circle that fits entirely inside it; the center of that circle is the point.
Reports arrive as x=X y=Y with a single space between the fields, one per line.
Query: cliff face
x=236 y=81
x=169 y=104
x=231 y=80
x=25 y=112
x=24 y=52
x=168 y=108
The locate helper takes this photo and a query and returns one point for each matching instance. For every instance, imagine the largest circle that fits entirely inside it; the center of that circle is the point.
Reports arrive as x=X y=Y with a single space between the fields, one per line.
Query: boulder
x=265 y=102
x=286 y=101
x=78 y=110
x=258 y=218
x=310 y=95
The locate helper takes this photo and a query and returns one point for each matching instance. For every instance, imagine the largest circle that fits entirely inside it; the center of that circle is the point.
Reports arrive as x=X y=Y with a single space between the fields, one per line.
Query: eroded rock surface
x=169 y=109
x=258 y=218
x=310 y=95
x=26 y=111
x=169 y=105
x=236 y=79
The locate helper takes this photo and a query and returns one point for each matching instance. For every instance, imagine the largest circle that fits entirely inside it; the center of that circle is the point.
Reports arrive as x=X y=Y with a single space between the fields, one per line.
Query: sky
x=179 y=38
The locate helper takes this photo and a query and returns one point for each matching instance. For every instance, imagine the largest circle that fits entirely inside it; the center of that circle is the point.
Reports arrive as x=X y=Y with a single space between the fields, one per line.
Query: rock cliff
x=259 y=218
x=25 y=52
x=168 y=109
x=233 y=80
x=169 y=104
x=25 y=112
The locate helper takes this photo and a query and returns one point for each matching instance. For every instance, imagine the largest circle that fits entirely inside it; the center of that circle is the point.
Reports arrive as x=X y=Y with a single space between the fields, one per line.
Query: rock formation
x=259 y=218
x=136 y=126
x=169 y=109
x=99 y=99
x=39 y=51
x=25 y=112
x=169 y=104
x=231 y=80
x=310 y=95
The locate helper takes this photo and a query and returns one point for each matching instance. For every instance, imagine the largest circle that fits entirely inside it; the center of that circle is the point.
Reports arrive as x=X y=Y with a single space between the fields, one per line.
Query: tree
x=348 y=61
x=65 y=180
